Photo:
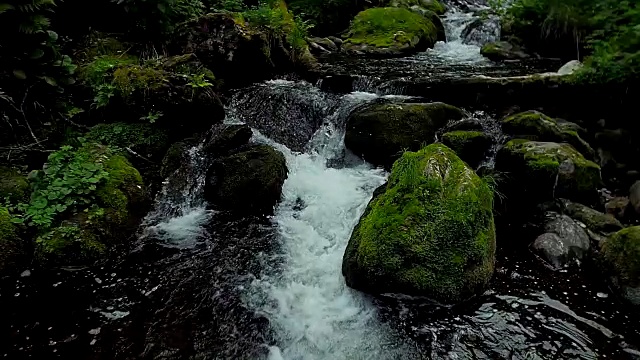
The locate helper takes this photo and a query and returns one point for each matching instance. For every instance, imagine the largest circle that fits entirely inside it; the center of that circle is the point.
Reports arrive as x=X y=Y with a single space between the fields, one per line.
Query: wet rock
x=533 y=125
x=634 y=196
x=249 y=181
x=175 y=156
x=146 y=140
x=466 y=125
x=381 y=132
x=620 y=255
x=482 y=31
x=502 y=50
x=570 y=67
x=564 y=241
x=325 y=43
x=14 y=186
x=542 y=171
x=429 y=232
x=470 y=146
x=13 y=254
x=371 y=33
x=223 y=138
x=593 y=219
x=617 y=207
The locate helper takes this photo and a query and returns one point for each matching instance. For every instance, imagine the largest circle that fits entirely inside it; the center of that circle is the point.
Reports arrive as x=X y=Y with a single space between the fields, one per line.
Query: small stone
x=602 y=295
x=25 y=273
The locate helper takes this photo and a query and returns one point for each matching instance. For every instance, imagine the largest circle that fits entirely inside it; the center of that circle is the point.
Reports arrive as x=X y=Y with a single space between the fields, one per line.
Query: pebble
x=25 y=273
x=602 y=295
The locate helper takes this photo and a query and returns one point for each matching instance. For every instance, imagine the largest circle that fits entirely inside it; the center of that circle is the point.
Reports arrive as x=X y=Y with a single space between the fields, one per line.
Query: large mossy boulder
x=146 y=140
x=390 y=31
x=620 y=255
x=14 y=186
x=536 y=172
x=470 y=146
x=381 y=132
x=247 y=182
x=95 y=198
x=533 y=125
x=12 y=248
x=502 y=50
x=430 y=232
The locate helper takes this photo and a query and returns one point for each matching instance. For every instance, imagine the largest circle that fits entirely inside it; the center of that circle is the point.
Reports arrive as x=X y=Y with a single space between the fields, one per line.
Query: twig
x=138 y=155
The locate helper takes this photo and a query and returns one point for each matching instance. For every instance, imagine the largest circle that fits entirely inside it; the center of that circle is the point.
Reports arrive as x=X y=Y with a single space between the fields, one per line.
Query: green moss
x=434 y=5
x=430 y=233
x=12 y=249
x=390 y=27
x=7 y=229
x=470 y=146
x=69 y=243
x=98 y=71
x=145 y=139
x=594 y=220
x=130 y=78
x=14 y=187
x=536 y=126
x=537 y=172
x=491 y=49
x=621 y=253
x=123 y=186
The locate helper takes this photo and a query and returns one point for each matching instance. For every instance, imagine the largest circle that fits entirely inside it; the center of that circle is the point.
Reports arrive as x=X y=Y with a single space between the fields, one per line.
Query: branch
x=138 y=155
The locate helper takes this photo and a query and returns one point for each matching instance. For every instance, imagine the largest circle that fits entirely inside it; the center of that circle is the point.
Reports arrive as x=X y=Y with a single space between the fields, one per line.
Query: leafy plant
x=152 y=117
x=69 y=180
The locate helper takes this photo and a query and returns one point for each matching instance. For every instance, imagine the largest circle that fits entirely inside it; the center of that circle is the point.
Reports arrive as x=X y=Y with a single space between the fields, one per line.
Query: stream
x=204 y=284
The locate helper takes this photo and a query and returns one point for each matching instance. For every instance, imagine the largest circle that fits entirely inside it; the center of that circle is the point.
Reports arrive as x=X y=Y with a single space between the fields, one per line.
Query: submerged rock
x=593 y=219
x=390 y=31
x=249 y=181
x=542 y=171
x=563 y=242
x=620 y=255
x=381 y=132
x=12 y=248
x=429 y=232
x=533 y=125
x=502 y=50
x=470 y=146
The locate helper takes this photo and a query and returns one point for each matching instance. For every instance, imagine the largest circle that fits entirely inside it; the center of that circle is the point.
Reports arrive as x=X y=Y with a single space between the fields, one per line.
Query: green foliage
x=385 y=27
x=70 y=180
x=149 y=20
x=608 y=29
x=328 y=17
x=275 y=19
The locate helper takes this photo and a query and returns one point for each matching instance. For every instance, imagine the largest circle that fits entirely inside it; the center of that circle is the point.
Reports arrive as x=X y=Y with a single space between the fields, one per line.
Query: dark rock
x=325 y=43
x=147 y=140
x=415 y=236
x=617 y=207
x=502 y=50
x=249 y=181
x=176 y=155
x=465 y=125
x=593 y=219
x=13 y=254
x=381 y=132
x=481 y=31
x=634 y=197
x=223 y=138
x=14 y=186
x=620 y=255
x=563 y=242
x=470 y=146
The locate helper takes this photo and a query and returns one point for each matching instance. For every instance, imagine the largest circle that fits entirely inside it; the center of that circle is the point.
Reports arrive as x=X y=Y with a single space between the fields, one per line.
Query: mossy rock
x=146 y=140
x=533 y=125
x=431 y=5
x=175 y=156
x=502 y=50
x=620 y=255
x=592 y=219
x=12 y=248
x=430 y=232
x=14 y=186
x=86 y=233
x=470 y=146
x=381 y=132
x=249 y=181
x=542 y=171
x=390 y=31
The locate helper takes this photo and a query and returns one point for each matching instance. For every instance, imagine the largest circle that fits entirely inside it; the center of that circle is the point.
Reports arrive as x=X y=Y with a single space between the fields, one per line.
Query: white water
x=315 y=315
x=453 y=50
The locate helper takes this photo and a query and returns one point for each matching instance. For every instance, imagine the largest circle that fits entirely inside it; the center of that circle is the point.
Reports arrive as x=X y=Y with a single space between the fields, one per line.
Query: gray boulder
x=563 y=241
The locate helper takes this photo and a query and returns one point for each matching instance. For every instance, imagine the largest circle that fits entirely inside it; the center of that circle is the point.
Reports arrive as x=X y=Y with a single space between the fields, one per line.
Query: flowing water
x=201 y=284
